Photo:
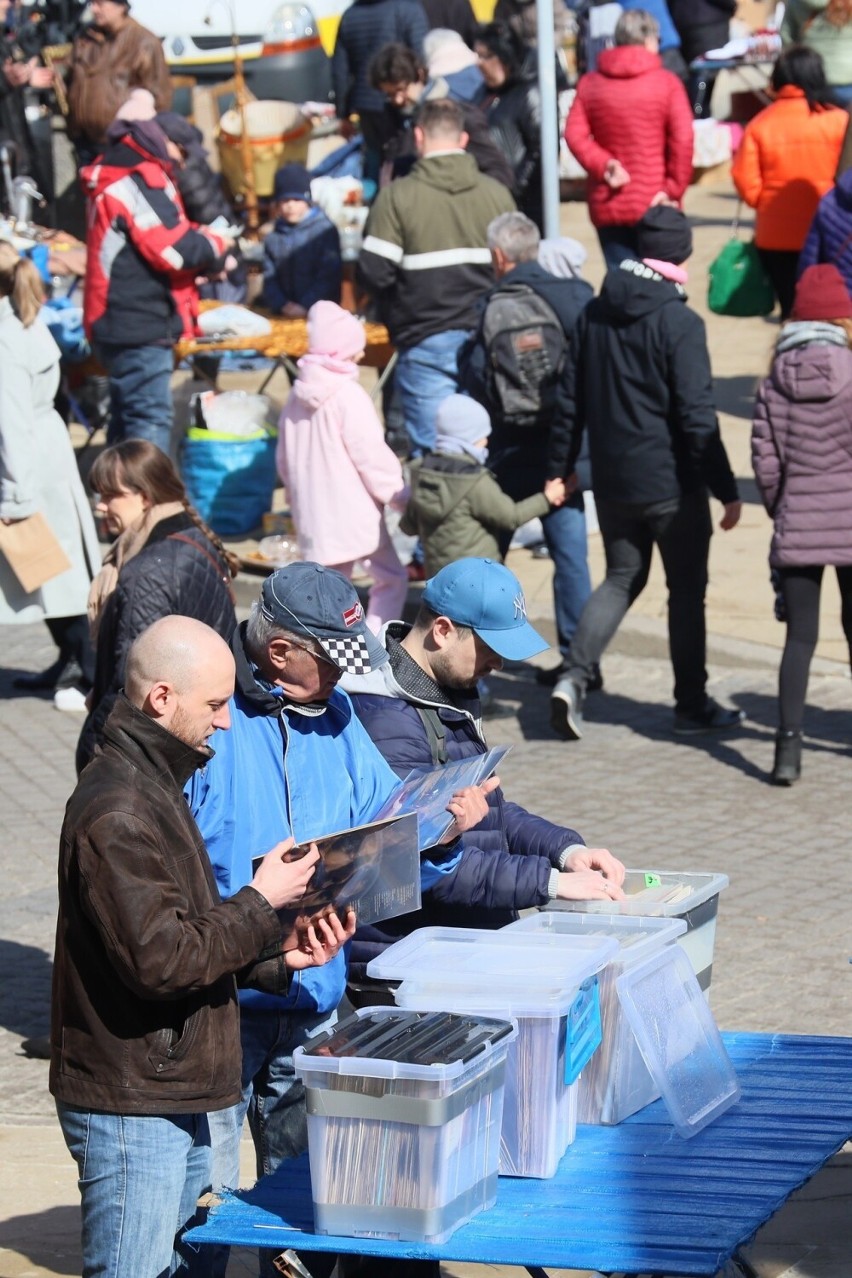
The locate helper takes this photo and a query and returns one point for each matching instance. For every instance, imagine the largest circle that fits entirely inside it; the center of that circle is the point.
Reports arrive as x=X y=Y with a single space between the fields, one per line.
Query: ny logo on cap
x=520 y=605
x=353 y=615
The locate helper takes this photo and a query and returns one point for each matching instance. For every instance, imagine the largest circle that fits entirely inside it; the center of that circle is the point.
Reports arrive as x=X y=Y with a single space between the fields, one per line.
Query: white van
x=285 y=47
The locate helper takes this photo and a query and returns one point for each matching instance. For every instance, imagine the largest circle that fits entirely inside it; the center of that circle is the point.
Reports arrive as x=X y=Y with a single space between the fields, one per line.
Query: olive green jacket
x=457 y=509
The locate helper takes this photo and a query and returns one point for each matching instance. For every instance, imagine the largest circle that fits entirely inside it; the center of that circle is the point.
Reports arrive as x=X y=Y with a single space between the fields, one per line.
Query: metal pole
x=549 y=117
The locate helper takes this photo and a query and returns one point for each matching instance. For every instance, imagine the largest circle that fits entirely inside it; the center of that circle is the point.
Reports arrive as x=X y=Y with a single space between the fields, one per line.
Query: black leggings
x=71 y=636
x=801 y=589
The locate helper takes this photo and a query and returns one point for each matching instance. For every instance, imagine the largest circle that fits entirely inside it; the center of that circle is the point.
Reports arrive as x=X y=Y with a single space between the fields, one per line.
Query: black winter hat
x=664 y=233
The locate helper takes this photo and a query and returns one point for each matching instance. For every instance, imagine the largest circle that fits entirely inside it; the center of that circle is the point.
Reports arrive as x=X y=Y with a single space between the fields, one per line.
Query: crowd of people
x=206 y=743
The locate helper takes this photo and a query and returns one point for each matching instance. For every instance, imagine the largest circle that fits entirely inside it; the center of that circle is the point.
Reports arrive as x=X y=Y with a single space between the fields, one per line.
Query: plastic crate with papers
x=616 y=1082
x=691 y=896
x=679 y=1040
x=404 y=1115
x=535 y=980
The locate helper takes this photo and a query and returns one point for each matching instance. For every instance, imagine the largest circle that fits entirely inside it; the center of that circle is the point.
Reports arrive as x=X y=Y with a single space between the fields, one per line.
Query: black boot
x=788 y=758
x=42 y=680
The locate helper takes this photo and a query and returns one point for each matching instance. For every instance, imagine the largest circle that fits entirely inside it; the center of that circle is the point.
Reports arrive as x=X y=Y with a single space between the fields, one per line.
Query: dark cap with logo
x=319 y=603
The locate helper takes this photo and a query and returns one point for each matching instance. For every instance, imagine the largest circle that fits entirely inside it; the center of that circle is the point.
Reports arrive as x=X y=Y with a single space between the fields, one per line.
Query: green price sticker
x=653 y=880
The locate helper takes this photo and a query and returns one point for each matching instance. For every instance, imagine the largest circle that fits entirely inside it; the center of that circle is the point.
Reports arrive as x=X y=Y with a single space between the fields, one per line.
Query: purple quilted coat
x=802 y=455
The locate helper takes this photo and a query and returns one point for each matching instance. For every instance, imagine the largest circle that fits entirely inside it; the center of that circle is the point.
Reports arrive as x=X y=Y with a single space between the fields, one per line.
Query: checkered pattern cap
x=322 y=604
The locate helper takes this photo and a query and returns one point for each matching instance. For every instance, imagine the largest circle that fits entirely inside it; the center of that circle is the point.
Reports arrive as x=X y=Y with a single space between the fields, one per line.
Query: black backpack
x=525 y=345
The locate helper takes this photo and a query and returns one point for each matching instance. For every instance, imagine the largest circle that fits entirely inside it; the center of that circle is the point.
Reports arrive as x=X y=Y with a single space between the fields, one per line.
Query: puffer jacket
x=801 y=448
x=631 y=109
x=830 y=236
x=145 y=1014
x=457 y=507
x=508 y=861
x=301 y=262
x=365 y=27
x=104 y=70
x=142 y=252
x=513 y=114
x=333 y=460
x=177 y=571
x=785 y=164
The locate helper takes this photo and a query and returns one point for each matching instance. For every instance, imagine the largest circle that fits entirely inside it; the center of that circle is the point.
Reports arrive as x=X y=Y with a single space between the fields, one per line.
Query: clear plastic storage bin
x=616 y=1082
x=404 y=1117
x=679 y=1040
x=698 y=905
x=533 y=979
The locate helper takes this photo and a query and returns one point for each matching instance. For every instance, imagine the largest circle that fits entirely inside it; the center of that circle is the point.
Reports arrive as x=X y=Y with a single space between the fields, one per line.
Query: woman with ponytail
x=165 y=560
x=38 y=475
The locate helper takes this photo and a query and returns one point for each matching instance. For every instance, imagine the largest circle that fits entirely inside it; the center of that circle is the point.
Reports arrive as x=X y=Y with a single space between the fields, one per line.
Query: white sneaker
x=70 y=699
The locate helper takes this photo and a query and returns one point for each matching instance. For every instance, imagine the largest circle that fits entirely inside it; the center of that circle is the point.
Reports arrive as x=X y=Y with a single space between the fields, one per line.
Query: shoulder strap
x=219 y=568
x=436 y=732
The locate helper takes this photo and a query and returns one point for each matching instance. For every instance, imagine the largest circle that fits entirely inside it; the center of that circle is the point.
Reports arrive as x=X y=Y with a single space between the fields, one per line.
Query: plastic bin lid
x=387 y=1042
x=678 y=1039
x=510 y=970
x=637 y=937
x=649 y=902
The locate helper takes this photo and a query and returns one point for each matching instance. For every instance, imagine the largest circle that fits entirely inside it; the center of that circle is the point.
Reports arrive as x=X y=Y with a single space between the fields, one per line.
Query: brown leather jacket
x=145 y=1016
x=103 y=71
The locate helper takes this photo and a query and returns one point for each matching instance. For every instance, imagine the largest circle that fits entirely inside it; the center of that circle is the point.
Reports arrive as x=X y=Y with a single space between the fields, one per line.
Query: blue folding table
x=633 y=1198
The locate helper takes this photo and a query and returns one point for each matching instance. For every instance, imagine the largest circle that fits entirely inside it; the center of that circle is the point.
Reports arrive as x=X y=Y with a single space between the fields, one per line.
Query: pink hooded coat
x=333 y=460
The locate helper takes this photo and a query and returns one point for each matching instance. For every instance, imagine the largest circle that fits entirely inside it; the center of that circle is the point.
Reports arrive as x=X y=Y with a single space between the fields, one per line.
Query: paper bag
x=32 y=551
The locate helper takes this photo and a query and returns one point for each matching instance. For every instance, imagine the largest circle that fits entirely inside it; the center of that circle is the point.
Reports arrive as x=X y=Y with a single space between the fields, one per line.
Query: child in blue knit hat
x=301 y=255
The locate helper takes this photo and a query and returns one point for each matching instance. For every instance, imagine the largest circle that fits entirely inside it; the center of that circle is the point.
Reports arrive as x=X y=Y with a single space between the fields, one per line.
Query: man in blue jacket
x=296 y=761
x=422 y=709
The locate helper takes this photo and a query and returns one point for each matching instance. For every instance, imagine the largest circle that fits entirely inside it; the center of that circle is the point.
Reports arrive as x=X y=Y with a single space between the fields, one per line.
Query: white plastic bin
x=698 y=908
x=398 y=1149
x=535 y=980
x=616 y=1082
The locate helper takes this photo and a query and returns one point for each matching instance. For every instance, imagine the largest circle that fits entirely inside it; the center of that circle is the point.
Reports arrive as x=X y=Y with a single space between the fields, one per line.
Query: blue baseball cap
x=320 y=603
x=486 y=597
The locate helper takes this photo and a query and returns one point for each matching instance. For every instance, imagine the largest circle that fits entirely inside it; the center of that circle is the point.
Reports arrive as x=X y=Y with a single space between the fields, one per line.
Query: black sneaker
x=713 y=718
x=566 y=710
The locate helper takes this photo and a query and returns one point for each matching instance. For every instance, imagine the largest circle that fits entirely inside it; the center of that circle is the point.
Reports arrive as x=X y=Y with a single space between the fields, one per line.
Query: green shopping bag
x=737 y=283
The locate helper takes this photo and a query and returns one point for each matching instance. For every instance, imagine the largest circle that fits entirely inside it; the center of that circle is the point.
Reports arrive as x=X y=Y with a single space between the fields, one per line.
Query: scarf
x=453 y=446
x=128 y=544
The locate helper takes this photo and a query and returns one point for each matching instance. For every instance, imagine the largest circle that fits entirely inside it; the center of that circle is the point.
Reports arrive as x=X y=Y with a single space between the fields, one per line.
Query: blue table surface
x=634 y=1197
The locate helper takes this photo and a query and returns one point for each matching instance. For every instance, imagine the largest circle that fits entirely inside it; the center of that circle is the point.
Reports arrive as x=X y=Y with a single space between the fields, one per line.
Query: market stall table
x=286 y=343
x=633 y=1198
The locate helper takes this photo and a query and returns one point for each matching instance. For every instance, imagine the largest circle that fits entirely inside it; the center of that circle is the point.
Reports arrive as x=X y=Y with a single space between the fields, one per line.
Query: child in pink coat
x=333 y=460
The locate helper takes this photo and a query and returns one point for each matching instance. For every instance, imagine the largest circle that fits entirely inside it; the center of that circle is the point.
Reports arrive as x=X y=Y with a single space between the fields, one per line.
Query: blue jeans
x=565 y=534
x=140 y=393
x=274 y=1100
x=425 y=375
x=140 y=1178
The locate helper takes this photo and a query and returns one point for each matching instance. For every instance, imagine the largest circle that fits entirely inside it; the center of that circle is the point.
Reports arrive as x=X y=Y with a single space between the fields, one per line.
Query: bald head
x=181 y=673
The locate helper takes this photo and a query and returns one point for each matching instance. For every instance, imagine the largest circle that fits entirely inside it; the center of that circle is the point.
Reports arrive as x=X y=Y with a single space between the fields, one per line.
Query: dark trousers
x=801 y=590
x=681 y=528
x=781 y=265
x=617 y=243
x=71 y=636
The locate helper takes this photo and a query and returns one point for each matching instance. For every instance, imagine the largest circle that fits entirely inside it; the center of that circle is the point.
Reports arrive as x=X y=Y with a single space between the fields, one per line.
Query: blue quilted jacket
x=830 y=236
x=506 y=862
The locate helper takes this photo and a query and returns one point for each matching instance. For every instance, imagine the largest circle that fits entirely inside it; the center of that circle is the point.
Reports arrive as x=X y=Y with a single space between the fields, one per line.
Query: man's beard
x=184 y=729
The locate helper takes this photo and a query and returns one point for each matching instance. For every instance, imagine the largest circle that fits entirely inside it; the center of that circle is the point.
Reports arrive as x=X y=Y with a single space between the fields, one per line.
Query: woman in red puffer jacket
x=631 y=129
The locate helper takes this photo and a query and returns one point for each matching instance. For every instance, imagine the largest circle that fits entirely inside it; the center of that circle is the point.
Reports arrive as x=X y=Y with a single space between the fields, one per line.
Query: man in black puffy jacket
x=422 y=710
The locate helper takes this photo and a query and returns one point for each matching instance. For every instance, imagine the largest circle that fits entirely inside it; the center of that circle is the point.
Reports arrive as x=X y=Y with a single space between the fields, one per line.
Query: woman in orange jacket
x=786 y=163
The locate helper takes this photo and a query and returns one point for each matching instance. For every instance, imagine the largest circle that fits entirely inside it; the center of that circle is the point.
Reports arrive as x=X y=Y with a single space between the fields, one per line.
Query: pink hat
x=139 y=106
x=334 y=332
